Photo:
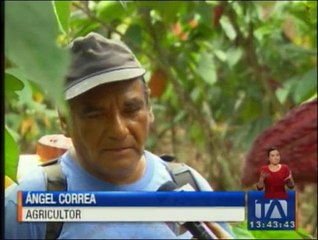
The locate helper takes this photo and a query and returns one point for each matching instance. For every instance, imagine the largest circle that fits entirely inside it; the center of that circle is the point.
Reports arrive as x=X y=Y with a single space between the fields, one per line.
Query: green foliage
x=11 y=155
x=109 y=11
x=33 y=47
x=306 y=86
x=206 y=68
x=12 y=84
x=62 y=11
x=134 y=33
x=240 y=231
x=31 y=32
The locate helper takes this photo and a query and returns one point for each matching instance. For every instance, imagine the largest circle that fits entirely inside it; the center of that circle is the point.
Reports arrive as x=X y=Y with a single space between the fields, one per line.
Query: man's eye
x=132 y=110
x=94 y=114
x=133 y=107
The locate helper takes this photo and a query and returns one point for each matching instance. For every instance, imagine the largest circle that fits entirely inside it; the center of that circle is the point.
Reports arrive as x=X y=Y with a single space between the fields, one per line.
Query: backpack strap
x=55 y=181
x=180 y=172
x=181 y=175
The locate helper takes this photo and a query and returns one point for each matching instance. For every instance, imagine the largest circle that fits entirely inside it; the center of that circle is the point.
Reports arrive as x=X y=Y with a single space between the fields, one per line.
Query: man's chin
x=120 y=163
x=118 y=154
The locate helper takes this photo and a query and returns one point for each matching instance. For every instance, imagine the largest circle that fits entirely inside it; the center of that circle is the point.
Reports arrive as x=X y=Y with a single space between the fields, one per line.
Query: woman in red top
x=275 y=176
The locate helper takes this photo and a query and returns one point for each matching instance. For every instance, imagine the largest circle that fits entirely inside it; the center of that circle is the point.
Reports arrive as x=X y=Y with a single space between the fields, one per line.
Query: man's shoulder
x=162 y=166
x=33 y=181
x=159 y=163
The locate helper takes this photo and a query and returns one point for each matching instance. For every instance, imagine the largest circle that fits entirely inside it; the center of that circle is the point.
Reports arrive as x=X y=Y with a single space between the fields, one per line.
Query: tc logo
x=271 y=209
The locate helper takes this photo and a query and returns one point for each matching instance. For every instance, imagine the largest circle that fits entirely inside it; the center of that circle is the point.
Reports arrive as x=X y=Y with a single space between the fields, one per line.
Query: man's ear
x=64 y=124
x=151 y=115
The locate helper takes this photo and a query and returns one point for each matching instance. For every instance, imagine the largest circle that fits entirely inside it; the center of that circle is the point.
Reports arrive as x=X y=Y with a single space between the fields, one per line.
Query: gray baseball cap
x=96 y=60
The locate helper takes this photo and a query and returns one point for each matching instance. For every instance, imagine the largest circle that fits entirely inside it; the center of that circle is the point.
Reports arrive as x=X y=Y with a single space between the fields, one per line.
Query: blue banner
x=131 y=199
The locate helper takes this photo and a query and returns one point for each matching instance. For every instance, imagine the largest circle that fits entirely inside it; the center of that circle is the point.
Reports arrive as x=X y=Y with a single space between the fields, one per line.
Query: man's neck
x=119 y=179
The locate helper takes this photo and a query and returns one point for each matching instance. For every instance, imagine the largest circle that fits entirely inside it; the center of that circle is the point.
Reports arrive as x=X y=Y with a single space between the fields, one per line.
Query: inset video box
x=43 y=206
x=271 y=213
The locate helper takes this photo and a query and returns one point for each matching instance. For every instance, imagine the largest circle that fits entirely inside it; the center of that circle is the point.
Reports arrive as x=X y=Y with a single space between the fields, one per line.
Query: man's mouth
x=117 y=149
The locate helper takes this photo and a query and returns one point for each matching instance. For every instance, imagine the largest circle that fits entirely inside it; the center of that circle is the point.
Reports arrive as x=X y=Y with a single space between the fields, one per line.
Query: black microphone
x=197 y=229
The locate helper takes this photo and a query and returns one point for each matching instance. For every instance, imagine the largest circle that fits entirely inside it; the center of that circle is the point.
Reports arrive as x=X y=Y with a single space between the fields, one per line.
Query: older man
x=108 y=122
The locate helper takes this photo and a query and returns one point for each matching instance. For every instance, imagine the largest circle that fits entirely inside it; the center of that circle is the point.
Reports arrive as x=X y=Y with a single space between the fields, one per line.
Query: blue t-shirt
x=80 y=180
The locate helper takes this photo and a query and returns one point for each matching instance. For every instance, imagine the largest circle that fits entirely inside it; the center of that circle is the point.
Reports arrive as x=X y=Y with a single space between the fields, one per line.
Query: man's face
x=109 y=126
x=274 y=157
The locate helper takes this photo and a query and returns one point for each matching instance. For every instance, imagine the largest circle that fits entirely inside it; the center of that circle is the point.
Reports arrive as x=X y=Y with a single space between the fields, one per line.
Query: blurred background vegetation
x=220 y=72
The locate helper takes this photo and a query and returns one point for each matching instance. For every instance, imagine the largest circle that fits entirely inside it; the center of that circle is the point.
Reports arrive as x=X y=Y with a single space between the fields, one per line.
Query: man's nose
x=117 y=128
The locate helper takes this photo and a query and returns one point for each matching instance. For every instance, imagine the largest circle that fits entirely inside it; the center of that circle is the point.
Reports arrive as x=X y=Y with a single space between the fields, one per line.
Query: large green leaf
x=62 y=11
x=11 y=155
x=12 y=85
x=206 y=68
x=31 y=30
x=228 y=28
x=306 y=86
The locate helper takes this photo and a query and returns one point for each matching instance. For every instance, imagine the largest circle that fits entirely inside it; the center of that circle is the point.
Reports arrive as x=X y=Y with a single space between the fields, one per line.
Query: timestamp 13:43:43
x=271 y=225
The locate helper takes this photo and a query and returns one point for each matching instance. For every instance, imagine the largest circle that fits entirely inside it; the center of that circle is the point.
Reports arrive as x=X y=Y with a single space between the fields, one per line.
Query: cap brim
x=107 y=77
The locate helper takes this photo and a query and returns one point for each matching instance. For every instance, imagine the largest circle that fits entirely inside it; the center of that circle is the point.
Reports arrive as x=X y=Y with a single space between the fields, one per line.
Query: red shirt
x=274 y=182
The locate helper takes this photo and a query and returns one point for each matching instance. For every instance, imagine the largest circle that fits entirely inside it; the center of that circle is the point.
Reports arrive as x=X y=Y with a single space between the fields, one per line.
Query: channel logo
x=271 y=214
x=274 y=209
